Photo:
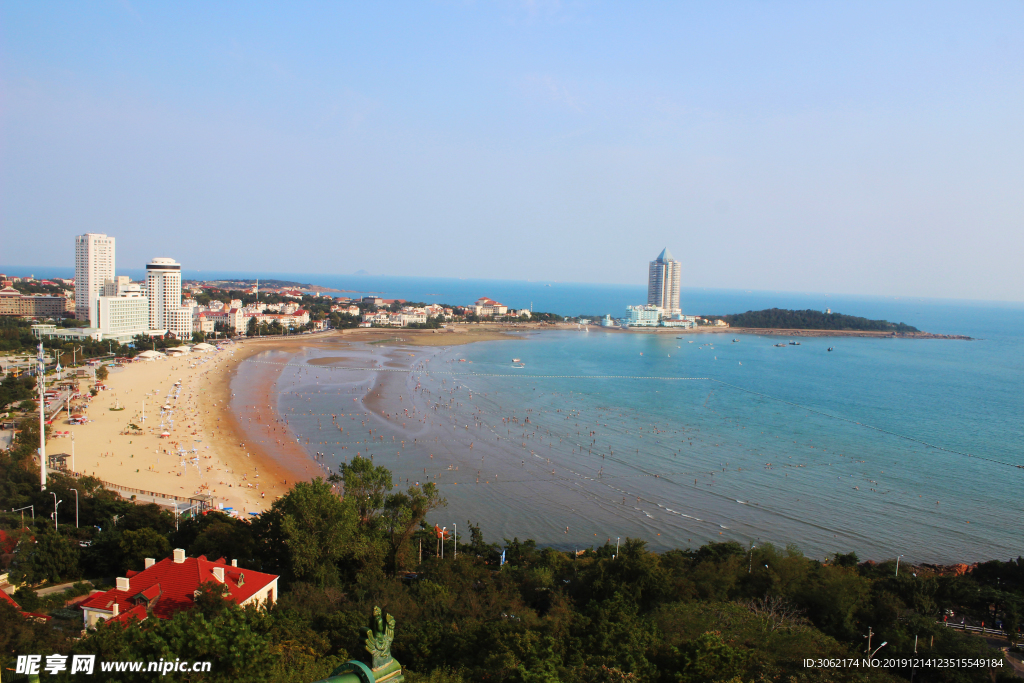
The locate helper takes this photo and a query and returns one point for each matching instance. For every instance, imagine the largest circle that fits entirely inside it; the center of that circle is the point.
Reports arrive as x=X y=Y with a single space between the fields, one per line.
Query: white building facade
x=123 y=316
x=663 y=278
x=163 y=287
x=643 y=316
x=94 y=265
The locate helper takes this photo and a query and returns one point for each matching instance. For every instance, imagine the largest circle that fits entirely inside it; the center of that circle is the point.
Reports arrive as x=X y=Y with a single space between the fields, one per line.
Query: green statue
x=378 y=644
x=378 y=639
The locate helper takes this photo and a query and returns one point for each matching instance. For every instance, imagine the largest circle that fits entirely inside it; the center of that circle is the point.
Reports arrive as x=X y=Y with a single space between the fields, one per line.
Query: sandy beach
x=210 y=447
x=202 y=452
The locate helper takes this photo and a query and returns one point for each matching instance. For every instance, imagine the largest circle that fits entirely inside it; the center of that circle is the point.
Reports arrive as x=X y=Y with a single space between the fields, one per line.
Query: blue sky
x=866 y=148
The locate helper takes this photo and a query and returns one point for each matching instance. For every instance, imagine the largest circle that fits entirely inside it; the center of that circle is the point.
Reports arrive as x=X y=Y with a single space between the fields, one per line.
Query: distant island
x=779 y=318
x=808 y=323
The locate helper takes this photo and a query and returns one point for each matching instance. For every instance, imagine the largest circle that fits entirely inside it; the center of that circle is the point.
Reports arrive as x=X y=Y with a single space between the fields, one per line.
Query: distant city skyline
x=866 y=148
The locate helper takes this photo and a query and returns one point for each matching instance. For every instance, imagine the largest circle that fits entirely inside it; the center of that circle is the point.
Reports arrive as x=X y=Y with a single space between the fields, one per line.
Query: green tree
x=317 y=528
x=402 y=515
x=365 y=486
x=102 y=373
x=217 y=535
x=226 y=639
x=1011 y=622
x=51 y=558
x=19 y=635
x=137 y=545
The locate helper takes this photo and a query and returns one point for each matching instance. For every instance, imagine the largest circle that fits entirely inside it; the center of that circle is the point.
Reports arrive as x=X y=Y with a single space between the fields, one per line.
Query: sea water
x=882 y=446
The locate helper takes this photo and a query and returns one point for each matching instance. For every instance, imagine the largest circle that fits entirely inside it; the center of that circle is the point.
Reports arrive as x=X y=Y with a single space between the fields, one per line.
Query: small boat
x=735 y=340
x=794 y=343
x=830 y=348
x=516 y=360
x=781 y=345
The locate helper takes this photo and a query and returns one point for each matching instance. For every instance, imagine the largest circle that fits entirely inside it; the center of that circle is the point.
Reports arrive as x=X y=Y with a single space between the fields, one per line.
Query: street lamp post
x=32 y=508
x=76 y=507
x=456 y=539
x=443 y=529
x=73 y=452
x=898 y=565
x=750 y=562
x=56 y=503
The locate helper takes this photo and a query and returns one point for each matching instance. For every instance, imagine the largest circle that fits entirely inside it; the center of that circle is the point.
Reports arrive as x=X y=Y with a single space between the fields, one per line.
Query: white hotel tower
x=94 y=265
x=663 y=278
x=163 y=287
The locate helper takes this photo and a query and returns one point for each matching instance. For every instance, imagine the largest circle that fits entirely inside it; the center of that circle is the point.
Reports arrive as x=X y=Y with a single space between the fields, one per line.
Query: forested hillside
x=723 y=612
x=779 y=318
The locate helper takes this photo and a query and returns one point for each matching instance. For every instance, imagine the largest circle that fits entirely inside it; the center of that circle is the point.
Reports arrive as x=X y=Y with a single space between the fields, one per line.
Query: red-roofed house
x=172 y=584
x=4 y=597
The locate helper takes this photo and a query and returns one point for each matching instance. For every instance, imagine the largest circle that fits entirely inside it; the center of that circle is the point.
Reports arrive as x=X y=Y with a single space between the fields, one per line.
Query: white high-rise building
x=94 y=265
x=663 y=283
x=163 y=288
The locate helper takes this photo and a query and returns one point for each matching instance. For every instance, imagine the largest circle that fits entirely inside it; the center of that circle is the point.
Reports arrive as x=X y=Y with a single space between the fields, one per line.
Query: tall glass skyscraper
x=663 y=283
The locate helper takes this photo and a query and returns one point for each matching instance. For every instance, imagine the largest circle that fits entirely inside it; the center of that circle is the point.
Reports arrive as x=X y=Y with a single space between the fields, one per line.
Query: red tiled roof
x=137 y=612
x=4 y=597
x=173 y=586
x=9 y=600
x=151 y=592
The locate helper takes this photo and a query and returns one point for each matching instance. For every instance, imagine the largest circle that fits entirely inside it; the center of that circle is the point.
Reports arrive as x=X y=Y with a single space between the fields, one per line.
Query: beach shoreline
x=242 y=466
x=196 y=446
